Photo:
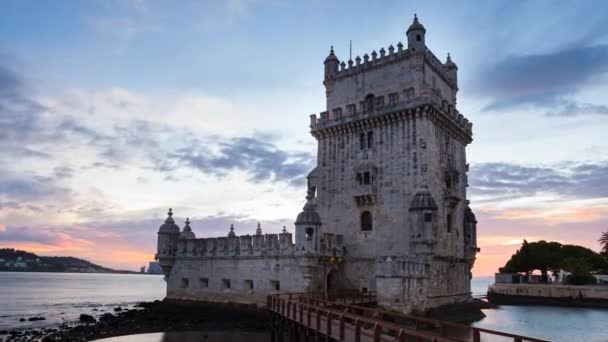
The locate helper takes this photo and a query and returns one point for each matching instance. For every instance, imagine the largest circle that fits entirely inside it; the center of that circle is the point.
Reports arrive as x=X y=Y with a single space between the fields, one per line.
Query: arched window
x=370 y=139
x=449 y=223
x=366 y=221
x=369 y=103
x=309 y=233
x=362 y=141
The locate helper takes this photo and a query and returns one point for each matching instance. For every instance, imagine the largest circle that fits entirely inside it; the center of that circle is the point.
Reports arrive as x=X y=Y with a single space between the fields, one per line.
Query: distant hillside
x=15 y=260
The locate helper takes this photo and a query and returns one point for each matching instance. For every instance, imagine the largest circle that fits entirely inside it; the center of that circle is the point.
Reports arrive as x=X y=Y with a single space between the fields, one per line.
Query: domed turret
x=168 y=235
x=415 y=36
x=308 y=224
x=308 y=215
x=187 y=232
x=423 y=200
x=169 y=226
x=231 y=233
x=452 y=70
x=423 y=216
x=332 y=63
x=470 y=228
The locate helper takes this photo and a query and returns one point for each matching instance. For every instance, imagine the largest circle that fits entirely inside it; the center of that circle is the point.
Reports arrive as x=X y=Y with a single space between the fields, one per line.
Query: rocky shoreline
x=149 y=317
x=175 y=316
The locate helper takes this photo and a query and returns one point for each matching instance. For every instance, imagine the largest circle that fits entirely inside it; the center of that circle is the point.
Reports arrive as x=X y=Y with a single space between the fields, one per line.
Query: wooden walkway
x=345 y=317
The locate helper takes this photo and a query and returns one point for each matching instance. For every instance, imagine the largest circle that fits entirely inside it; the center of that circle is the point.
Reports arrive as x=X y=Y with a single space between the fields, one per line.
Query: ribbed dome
x=187 y=232
x=469 y=216
x=169 y=226
x=449 y=64
x=416 y=26
x=423 y=200
x=332 y=56
x=309 y=215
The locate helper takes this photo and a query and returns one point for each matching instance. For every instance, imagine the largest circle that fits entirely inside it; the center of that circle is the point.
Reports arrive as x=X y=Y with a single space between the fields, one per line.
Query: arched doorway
x=332 y=283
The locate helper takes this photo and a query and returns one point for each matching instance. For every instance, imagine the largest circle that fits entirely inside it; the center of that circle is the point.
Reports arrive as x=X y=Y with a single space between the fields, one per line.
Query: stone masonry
x=386 y=206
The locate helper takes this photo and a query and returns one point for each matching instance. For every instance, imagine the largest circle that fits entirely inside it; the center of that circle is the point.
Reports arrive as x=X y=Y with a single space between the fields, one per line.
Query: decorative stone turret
x=187 y=232
x=332 y=64
x=231 y=233
x=470 y=227
x=308 y=224
x=415 y=36
x=168 y=235
x=258 y=230
x=423 y=213
x=451 y=70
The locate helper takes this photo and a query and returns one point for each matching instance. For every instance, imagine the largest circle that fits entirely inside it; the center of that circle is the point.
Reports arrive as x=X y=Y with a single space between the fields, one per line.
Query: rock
x=21 y=319
x=87 y=318
x=33 y=319
x=3 y=332
x=117 y=309
x=106 y=316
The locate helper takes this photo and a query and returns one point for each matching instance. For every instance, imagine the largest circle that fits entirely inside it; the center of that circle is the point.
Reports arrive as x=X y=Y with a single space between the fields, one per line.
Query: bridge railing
x=409 y=323
x=325 y=320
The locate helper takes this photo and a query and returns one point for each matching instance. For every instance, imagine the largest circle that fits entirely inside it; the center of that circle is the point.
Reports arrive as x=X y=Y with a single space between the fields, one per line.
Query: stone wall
x=551 y=290
x=242 y=279
x=549 y=294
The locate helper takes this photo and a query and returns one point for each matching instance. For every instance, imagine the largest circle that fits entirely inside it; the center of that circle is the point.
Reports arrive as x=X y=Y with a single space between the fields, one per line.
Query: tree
x=551 y=256
x=604 y=242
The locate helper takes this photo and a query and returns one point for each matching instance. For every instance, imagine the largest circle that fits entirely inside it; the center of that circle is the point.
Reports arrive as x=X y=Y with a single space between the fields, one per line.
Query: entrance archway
x=332 y=283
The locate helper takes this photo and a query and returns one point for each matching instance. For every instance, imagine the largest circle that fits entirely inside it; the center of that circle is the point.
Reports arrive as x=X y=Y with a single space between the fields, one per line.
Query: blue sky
x=112 y=111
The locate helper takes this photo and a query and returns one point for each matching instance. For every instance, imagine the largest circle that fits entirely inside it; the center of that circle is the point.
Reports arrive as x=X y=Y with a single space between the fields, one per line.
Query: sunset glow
x=205 y=109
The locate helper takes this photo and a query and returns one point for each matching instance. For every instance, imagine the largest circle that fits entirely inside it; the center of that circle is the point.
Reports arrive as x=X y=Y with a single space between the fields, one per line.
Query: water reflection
x=195 y=336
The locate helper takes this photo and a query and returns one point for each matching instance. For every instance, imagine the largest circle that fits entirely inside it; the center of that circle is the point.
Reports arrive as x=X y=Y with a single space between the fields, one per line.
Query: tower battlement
x=383 y=57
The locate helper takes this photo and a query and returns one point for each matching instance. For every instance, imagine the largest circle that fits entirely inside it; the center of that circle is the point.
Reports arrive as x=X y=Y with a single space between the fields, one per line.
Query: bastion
x=386 y=207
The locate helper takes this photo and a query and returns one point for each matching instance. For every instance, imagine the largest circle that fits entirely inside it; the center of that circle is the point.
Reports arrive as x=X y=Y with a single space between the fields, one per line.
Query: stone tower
x=391 y=174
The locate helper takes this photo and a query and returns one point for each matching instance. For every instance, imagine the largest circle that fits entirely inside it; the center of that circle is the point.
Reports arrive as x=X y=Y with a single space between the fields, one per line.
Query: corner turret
x=168 y=235
x=415 y=36
x=423 y=213
x=452 y=70
x=332 y=64
x=308 y=224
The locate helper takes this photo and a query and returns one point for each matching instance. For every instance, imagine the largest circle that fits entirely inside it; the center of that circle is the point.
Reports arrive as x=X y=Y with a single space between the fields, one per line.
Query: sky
x=113 y=111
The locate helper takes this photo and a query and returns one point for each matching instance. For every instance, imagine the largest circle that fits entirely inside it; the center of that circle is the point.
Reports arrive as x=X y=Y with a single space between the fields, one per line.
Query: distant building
x=386 y=207
x=142 y=269
x=154 y=268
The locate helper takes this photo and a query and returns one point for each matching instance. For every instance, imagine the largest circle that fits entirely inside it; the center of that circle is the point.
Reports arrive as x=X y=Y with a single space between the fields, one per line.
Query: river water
x=62 y=297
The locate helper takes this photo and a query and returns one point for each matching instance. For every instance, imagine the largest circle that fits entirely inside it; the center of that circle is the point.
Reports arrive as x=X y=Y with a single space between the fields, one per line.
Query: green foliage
x=551 y=256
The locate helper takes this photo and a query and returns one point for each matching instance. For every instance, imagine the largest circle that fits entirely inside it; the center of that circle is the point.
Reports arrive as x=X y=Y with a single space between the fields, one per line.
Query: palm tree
x=604 y=241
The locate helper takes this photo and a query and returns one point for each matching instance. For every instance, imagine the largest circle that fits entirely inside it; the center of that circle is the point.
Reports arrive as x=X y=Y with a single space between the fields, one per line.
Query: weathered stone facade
x=386 y=205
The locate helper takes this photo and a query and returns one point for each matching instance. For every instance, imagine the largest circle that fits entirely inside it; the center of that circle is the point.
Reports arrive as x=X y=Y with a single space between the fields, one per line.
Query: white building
x=386 y=206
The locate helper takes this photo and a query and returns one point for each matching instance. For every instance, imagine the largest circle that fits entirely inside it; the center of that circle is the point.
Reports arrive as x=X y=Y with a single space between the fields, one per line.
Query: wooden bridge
x=347 y=316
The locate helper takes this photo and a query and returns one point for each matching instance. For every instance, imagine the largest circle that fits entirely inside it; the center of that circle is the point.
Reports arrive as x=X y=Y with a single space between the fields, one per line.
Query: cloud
x=570 y=108
x=257 y=155
x=63 y=172
x=545 y=79
x=494 y=182
x=18 y=112
x=29 y=188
